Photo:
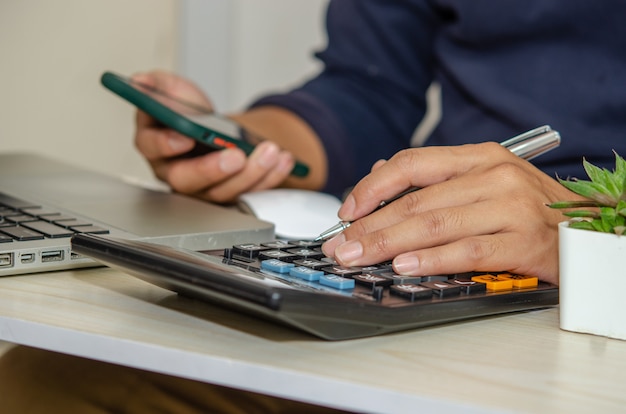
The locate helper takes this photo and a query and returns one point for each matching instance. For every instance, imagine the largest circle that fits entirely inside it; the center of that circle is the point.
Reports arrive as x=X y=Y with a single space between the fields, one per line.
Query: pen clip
x=533 y=143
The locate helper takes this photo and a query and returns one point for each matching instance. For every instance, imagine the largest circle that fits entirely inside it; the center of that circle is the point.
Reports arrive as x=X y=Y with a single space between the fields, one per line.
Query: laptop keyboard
x=21 y=220
x=302 y=264
x=36 y=238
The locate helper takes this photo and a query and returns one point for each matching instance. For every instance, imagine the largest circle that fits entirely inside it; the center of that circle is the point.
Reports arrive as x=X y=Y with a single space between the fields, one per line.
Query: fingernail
x=349 y=252
x=286 y=163
x=231 y=161
x=178 y=143
x=346 y=212
x=330 y=245
x=406 y=264
x=268 y=156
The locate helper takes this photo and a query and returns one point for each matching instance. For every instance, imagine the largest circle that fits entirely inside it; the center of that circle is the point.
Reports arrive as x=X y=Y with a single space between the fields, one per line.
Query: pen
x=527 y=145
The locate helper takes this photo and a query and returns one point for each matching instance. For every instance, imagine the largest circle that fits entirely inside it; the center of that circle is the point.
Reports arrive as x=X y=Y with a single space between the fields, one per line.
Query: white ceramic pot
x=592 y=286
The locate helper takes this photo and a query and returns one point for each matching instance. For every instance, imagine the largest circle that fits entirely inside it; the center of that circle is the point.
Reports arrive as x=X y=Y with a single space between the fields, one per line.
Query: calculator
x=294 y=284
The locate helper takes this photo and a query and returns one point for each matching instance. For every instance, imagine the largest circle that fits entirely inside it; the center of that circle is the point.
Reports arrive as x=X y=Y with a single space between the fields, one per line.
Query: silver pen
x=528 y=145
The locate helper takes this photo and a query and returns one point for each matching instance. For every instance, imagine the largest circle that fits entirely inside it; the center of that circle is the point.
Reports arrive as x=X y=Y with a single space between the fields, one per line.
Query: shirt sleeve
x=370 y=95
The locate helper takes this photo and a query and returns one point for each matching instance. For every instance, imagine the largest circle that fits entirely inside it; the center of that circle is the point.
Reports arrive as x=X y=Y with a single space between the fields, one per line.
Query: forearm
x=291 y=133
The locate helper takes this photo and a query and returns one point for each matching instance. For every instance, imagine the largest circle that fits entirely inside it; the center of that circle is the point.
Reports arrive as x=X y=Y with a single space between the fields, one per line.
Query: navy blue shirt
x=504 y=67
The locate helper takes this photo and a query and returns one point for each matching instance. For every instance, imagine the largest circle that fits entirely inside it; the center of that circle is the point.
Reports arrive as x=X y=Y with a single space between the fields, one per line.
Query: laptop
x=43 y=202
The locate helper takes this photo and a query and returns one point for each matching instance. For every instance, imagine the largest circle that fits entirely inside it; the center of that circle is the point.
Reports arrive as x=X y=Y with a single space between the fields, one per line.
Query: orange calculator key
x=521 y=281
x=494 y=282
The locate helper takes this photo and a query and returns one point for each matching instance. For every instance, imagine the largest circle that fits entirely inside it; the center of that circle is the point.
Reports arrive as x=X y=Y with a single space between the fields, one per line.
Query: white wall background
x=238 y=48
x=53 y=52
x=51 y=56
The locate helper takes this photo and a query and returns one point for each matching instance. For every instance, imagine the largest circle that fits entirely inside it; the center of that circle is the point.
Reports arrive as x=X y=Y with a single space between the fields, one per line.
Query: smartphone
x=211 y=131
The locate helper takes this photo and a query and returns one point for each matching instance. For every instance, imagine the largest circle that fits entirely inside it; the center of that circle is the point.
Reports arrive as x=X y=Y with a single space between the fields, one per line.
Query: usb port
x=27 y=258
x=52 y=256
x=6 y=259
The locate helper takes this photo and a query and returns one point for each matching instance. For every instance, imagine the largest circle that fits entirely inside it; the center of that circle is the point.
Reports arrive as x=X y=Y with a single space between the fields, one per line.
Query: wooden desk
x=520 y=362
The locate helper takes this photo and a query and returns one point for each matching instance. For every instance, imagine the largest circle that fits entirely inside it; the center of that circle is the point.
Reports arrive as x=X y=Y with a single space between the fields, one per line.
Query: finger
x=431 y=228
x=515 y=186
x=193 y=175
x=156 y=143
x=488 y=253
x=278 y=174
x=515 y=193
x=175 y=86
x=457 y=192
x=378 y=164
x=261 y=162
x=418 y=167
x=402 y=209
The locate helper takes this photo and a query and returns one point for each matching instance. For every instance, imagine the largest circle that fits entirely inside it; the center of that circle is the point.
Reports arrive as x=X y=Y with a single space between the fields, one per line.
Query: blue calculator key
x=337 y=282
x=276 y=265
x=306 y=273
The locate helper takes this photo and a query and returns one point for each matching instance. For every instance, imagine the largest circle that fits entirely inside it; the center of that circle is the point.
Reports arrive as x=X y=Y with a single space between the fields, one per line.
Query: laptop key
x=48 y=229
x=21 y=218
x=69 y=223
x=40 y=211
x=21 y=233
x=90 y=229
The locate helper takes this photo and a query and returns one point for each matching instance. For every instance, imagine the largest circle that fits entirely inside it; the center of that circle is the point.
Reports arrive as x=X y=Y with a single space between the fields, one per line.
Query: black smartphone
x=210 y=130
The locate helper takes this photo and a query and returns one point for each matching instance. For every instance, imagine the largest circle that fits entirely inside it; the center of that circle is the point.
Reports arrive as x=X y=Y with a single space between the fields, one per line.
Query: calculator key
x=249 y=250
x=306 y=273
x=337 y=282
x=442 y=289
x=277 y=254
x=521 y=281
x=306 y=253
x=276 y=265
x=372 y=280
x=376 y=269
x=493 y=282
x=278 y=244
x=411 y=291
x=307 y=243
x=402 y=279
x=435 y=278
x=342 y=271
x=312 y=263
x=469 y=286
x=330 y=261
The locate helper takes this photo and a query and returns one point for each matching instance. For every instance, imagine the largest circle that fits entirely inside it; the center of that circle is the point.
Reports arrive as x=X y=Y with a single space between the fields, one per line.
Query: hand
x=218 y=176
x=480 y=208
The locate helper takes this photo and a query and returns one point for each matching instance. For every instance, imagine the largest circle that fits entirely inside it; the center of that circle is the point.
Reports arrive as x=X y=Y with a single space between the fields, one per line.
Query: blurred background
x=52 y=54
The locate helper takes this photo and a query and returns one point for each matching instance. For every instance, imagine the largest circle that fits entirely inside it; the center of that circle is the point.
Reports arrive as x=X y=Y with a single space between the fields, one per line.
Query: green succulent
x=605 y=209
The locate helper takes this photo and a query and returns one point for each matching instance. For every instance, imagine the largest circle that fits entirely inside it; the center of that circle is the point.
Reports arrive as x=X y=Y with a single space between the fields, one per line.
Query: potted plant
x=592 y=253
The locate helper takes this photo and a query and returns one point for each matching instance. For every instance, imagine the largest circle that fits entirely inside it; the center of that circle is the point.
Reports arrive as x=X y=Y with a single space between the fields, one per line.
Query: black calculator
x=293 y=283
